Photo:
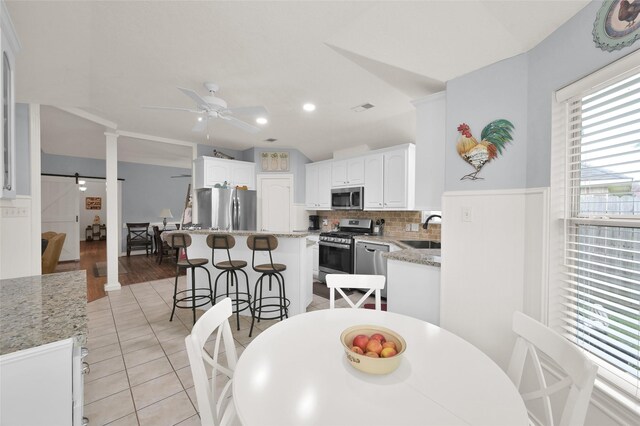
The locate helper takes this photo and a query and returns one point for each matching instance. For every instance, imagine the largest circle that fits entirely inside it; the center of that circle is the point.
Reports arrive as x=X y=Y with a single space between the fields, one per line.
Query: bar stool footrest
x=236 y=303
x=258 y=311
x=192 y=299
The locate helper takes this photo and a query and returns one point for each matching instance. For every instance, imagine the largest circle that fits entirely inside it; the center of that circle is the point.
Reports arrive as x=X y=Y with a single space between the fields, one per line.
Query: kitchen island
x=292 y=251
x=43 y=324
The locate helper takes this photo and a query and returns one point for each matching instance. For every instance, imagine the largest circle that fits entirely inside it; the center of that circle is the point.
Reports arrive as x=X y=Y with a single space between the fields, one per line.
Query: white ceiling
x=110 y=58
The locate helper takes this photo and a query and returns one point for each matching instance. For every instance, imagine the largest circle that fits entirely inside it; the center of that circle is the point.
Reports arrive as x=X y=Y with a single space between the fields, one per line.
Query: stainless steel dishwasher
x=369 y=260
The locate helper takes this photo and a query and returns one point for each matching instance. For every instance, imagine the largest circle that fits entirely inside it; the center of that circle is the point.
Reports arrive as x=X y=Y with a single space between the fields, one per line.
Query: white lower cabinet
x=414 y=290
x=42 y=386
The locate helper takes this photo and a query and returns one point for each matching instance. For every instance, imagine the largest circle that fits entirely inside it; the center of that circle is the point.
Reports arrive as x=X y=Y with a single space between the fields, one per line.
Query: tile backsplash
x=395 y=222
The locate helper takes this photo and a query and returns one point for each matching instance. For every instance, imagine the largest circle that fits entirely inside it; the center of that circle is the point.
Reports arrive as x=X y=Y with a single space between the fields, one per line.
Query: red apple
x=372 y=355
x=374 y=346
x=379 y=337
x=388 y=352
x=389 y=345
x=357 y=350
x=361 y=341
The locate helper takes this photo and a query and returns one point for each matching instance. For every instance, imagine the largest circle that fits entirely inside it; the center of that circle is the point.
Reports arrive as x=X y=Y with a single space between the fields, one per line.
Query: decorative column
x=113 y=228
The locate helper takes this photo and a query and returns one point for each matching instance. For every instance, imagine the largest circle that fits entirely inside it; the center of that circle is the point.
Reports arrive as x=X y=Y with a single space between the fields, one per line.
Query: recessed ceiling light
x=200 y=118
x=261 y=120
x=309 y=107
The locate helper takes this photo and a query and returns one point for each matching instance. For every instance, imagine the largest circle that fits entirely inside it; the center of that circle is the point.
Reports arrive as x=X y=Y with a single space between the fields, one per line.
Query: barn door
x=60 y=209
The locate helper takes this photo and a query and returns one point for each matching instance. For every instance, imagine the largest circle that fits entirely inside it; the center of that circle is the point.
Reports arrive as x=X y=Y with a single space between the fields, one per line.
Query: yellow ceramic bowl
x=368 y=364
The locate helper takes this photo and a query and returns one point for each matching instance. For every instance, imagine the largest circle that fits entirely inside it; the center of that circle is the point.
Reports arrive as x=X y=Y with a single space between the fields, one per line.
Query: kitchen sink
x=421 y=244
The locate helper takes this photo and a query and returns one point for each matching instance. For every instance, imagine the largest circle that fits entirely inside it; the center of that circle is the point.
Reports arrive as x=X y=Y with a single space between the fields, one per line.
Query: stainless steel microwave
x=347 y=198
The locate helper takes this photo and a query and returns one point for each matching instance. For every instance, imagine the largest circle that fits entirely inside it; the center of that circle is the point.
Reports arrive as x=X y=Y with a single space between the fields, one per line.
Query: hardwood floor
x=139 y=268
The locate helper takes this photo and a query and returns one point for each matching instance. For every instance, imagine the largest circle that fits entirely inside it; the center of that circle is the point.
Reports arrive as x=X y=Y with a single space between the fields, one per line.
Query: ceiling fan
x=210 y=106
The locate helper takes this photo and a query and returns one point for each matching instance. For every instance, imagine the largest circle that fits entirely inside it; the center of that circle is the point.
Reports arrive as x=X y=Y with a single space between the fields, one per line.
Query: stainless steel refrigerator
x=227 y=209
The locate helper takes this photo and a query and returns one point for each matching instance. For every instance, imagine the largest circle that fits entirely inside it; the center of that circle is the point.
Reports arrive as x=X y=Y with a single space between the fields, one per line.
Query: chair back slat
x=533 y=339
x=214 y=406
x=371 y=283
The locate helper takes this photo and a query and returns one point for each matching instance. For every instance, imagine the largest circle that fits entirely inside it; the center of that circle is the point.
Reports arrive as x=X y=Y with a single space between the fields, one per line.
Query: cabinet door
x=395 y=179
x=373 y=182
x=355 y=171
x=339 y=173
x=243 y=173
x=311 y=187
x=324 y=186
x=216 y=172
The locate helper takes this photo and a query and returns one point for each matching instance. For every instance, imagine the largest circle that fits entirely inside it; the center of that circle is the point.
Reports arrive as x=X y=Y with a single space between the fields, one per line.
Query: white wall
x=95 y=188
x=494 y=261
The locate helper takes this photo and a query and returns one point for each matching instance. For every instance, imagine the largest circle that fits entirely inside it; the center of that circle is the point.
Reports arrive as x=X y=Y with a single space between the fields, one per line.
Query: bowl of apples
x=373 y=349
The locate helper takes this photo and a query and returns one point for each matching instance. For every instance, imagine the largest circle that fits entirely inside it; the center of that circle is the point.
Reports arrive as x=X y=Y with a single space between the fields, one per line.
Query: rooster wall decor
x=493 y=139
x=617 y=24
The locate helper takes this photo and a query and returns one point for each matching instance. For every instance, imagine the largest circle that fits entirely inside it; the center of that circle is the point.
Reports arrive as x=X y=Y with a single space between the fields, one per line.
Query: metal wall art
x=617 y=24
x=493 y=139
x=274 y=161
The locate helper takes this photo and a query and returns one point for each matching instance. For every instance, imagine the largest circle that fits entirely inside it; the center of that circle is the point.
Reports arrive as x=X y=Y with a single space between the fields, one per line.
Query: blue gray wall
x=23 y=160
x=146 y=189
x=521 y=89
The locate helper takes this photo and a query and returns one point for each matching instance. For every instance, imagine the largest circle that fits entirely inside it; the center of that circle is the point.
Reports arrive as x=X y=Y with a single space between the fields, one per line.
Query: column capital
x=111 y=134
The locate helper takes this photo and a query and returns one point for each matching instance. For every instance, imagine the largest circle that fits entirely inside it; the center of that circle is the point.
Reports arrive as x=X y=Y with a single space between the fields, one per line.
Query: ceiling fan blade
x=241 y=124
x=200 y=125
x=200 y=101
x=181 y=176
x=171 y=108
x=252 y=111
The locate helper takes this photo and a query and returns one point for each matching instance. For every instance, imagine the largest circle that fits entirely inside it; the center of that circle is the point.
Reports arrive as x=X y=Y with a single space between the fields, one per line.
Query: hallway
x=135 y=269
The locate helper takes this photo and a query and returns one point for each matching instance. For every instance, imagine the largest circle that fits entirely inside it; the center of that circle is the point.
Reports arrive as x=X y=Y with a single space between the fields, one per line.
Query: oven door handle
x=335 y=245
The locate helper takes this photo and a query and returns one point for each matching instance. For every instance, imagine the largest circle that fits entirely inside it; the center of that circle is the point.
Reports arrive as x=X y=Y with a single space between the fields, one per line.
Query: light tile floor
x=140 y=372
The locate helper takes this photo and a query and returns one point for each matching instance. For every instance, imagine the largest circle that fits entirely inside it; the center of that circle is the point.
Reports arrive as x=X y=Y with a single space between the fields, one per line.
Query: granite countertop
x=295 y=234
x=429 y=257
x=42 y=309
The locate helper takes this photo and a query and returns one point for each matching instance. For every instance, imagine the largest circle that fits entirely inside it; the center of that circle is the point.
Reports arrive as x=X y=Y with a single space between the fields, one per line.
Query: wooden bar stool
x=276 y=305
x=188 y=298
x=242 y=299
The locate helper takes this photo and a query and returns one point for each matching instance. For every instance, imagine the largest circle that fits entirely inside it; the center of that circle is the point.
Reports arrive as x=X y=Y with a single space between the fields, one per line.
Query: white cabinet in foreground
x=414 y=290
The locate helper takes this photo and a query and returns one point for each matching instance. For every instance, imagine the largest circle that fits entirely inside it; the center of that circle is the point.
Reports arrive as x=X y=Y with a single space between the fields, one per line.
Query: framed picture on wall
x=274 y=161
x=93 y=203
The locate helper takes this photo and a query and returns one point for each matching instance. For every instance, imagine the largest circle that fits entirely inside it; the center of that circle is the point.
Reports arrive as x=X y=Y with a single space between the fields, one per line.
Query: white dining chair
x=215 y=406
x=578 y=373
x=372 y=283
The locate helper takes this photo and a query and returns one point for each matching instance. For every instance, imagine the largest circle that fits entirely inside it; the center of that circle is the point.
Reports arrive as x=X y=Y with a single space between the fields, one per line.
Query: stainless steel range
x=337 y=248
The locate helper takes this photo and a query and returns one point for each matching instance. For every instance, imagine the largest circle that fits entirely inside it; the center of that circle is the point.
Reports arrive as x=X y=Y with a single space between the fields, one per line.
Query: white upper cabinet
x=318 y=186
x=210 y=171
x=9 y=46
x=390 y=179
x=397 y=194
x=374 y=182
x=388 y=176
x=347 y=172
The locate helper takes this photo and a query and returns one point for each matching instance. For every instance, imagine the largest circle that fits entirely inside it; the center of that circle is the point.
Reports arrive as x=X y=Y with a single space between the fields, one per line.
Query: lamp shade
x=166 y=213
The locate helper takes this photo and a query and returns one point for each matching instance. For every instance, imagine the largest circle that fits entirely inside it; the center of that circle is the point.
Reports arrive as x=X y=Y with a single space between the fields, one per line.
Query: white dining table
x=296 y=373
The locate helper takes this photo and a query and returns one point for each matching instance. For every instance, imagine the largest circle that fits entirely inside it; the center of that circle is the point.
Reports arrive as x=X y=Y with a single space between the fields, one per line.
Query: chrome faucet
x=426 y=222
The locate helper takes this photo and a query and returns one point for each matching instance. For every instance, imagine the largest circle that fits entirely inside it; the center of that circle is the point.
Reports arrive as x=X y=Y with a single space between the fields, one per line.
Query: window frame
x=608 y=384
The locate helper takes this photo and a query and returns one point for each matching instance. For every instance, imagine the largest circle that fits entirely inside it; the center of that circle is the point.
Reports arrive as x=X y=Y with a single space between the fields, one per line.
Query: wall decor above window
x=617 y=24
x=274 y=161
x=493 y=139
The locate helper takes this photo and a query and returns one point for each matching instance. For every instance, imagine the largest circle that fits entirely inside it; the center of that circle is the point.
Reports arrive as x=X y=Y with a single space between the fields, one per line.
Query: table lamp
x=164 y=214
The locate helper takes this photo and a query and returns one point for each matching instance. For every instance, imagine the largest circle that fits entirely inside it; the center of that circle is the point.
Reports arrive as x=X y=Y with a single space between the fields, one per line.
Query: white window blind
x=601 y=303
